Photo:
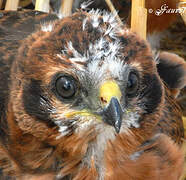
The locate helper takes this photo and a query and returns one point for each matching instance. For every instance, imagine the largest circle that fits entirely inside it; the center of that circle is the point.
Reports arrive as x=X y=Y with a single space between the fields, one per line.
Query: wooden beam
x=66 y=7
x=182 y=7
x=24 y=3
x=42 y=5
x=139 y=18
x=1 y=2
x=11 y=5
x=113 y=10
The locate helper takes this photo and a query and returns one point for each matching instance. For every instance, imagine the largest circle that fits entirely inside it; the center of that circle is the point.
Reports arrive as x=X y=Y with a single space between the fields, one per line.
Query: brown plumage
x=58 y=123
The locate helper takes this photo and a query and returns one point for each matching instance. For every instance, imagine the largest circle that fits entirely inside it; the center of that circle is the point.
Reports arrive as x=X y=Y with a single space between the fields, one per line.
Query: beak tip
x=117 y=130
x=117 y=126
x=113 y=114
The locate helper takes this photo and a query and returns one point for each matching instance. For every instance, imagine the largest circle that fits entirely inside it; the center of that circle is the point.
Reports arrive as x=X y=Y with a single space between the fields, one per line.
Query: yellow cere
x=108 y=90
x=84 y=113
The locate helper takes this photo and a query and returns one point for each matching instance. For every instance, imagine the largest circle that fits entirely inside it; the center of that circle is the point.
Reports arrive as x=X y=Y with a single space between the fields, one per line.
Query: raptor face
x=86 y=71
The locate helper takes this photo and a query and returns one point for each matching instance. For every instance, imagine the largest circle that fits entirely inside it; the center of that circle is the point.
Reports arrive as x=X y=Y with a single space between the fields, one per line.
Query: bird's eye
x=132 y=84
x=66 y=87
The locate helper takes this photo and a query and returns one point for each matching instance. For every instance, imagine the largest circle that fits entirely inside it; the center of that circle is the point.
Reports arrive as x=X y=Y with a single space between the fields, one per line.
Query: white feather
x=84 y=23
x=47 y=27
x=85 y=4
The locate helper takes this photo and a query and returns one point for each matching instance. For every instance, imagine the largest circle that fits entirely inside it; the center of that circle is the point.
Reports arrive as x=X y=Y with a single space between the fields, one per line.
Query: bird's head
x=85 y=71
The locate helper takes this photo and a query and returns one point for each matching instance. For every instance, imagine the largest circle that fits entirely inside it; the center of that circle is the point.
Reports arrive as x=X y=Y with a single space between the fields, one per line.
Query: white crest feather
x=47 y=27
x=85 y=4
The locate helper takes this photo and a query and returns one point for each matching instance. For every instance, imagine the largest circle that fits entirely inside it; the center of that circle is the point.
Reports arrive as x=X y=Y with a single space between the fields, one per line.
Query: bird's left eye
x=132 y=84
x=66 y=87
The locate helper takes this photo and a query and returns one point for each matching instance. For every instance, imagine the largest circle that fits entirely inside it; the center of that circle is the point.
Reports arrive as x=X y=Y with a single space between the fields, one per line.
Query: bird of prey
x=83 y=97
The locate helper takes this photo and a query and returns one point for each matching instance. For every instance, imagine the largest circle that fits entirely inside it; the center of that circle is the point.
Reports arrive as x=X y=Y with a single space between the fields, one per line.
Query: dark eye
x=132 y=84
x=66 y=86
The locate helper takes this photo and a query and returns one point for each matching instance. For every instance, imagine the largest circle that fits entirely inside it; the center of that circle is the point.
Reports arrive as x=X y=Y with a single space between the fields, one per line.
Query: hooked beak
x=110 y=95
x=112 y=113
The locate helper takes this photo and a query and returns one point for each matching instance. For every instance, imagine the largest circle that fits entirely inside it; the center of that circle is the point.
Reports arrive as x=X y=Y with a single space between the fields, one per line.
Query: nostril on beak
x=104 y=101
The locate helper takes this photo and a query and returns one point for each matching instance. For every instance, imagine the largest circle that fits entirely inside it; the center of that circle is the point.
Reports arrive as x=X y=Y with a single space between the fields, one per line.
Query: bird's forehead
x=97 y=42
x=102 y=58
x=99 y=45
x=93 y=43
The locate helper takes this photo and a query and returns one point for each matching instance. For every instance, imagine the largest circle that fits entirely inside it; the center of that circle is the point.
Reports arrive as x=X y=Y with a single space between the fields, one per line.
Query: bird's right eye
x=132 y=84
x=66 y=87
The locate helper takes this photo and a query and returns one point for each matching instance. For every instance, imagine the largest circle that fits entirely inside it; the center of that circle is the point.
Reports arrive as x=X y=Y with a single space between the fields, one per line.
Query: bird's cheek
x=83 y=116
